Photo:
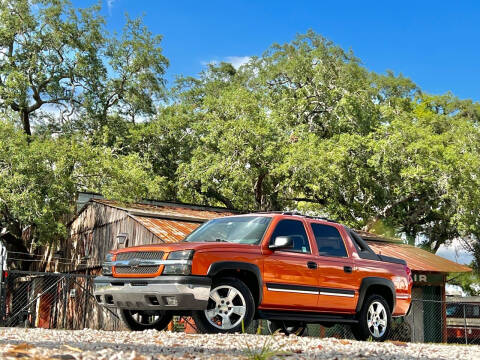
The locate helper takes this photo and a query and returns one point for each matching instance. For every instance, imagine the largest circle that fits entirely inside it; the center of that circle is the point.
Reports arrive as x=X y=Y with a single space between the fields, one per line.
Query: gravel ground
x=95 y=344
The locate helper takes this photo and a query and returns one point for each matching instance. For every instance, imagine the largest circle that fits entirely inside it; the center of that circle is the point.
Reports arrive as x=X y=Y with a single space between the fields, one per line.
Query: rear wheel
x=138 y=320
x=287 y=327
x=230 y=305
x=375 y=320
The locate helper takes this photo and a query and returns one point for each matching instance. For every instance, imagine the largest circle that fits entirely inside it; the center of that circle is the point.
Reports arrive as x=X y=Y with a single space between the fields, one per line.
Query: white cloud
x=455 y=252
x=110 y=5
x=211 y=62
x=236 y=61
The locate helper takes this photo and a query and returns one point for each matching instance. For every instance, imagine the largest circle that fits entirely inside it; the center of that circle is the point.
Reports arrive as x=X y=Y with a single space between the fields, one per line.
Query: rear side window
x=329 y=241
x=295 y=230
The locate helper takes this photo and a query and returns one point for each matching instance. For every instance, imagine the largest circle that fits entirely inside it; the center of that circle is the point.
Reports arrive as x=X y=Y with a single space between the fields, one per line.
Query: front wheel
x=137 y=320
x=230 y=308
x=375 y=320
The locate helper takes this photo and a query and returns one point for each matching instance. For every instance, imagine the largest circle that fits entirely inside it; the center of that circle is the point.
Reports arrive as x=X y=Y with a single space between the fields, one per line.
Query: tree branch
x=315 y=200
x=215 y=195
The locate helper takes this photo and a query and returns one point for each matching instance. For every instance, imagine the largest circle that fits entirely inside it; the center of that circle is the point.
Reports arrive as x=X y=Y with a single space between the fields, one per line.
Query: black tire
x=137 y=320
x=362 y=331
x=225 y=307
x=286 y=327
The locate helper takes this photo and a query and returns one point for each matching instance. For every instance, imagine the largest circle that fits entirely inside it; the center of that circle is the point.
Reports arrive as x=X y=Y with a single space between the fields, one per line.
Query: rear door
x=338 y=283
x=290 y=276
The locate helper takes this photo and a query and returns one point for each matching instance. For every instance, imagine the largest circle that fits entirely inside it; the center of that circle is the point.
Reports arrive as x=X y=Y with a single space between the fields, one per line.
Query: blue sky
x=435 y=43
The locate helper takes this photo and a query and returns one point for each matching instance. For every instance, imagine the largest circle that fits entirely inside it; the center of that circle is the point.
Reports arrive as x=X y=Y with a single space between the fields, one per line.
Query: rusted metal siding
x=416 y=258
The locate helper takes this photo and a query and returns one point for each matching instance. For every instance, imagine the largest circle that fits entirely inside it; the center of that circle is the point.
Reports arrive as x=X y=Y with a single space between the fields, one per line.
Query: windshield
x=240 y=230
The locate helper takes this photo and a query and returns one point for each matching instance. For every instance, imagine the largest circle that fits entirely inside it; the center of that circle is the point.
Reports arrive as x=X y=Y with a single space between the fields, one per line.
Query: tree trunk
x=476 y=256
x=258 y=190
x=26 y=121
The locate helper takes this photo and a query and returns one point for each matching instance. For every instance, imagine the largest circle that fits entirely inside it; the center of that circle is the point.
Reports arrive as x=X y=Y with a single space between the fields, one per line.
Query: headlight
x=177 y=269
x=181 y=255
x=107 y=265
x=184 y=265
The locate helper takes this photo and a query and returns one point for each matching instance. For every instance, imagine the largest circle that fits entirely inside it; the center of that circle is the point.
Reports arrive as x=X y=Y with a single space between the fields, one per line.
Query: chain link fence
x=53 y=300
x=66 y=301
x=428 y=321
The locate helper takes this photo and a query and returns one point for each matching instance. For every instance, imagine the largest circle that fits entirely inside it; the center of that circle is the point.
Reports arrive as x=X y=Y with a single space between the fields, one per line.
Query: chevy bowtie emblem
x=134 y=263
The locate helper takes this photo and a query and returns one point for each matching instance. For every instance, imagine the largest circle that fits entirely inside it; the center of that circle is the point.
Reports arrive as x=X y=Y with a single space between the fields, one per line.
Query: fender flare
x=216 y=267
x=373 y=280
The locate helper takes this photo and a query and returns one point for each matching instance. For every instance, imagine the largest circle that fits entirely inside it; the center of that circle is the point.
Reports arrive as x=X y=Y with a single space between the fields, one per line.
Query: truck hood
x=197 y=246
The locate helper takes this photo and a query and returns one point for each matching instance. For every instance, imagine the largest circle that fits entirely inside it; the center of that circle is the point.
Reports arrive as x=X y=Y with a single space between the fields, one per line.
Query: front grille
x=136 y=270
x=142 y=255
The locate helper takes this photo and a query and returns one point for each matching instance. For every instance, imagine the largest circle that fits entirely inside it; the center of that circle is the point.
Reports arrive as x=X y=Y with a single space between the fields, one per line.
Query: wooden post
x=85 y=297
x=444 y=310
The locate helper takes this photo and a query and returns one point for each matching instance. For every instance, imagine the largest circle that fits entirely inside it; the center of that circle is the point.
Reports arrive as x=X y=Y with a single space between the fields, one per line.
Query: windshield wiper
x=217 y=240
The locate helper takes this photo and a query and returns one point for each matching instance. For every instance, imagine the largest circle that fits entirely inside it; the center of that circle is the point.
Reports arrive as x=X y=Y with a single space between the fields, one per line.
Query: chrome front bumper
x=160 y=293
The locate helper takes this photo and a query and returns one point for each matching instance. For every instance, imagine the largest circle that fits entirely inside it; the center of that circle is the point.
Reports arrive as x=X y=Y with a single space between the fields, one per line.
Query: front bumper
x=160 y=293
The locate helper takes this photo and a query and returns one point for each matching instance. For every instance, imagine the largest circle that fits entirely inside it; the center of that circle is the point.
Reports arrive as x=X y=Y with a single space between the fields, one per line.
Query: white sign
x=3 y=257
x=420 y=278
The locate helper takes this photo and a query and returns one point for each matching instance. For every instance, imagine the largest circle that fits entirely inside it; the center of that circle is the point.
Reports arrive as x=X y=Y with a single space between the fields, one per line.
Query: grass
x=265 y=352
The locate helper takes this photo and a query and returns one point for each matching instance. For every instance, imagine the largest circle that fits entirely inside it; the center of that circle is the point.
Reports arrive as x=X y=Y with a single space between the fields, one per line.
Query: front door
x=290 y=276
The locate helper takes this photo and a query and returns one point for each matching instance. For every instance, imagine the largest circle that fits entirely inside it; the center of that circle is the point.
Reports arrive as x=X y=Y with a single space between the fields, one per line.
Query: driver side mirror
x=281 y=242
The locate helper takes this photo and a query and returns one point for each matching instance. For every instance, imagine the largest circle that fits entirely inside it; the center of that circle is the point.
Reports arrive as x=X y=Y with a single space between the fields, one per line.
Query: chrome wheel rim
x=143 y=318
x=226 y=307
x=377 y=319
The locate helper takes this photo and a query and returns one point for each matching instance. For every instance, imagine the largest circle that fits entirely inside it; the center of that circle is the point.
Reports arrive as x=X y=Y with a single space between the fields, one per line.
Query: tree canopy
x=40 y=178
x=303 y=126
x=58 y=58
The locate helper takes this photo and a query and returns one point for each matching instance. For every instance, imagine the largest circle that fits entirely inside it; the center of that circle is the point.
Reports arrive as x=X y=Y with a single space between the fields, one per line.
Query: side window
x=329 y=241
x=295 y=230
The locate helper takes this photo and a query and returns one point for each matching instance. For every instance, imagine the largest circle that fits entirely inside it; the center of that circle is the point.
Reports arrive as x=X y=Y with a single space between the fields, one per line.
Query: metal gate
x=53 y=300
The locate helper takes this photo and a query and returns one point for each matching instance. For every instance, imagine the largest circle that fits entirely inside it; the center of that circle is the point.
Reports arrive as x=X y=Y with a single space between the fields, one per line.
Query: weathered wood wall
x=93 y=234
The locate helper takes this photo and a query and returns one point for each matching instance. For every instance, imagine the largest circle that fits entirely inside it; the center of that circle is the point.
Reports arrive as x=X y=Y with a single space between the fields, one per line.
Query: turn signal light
x=409 y=274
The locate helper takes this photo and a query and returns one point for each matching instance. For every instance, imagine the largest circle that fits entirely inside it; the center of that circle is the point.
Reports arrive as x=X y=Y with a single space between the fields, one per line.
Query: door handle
x=347 y=269
x=312 y=265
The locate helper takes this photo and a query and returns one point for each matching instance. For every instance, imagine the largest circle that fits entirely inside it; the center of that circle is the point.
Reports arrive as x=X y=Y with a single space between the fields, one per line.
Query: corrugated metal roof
x=177 y=211
x=168 y=231
x=416 y=258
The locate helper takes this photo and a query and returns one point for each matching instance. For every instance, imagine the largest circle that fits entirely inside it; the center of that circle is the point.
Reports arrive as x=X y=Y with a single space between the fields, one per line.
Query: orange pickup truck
x=288 y=268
